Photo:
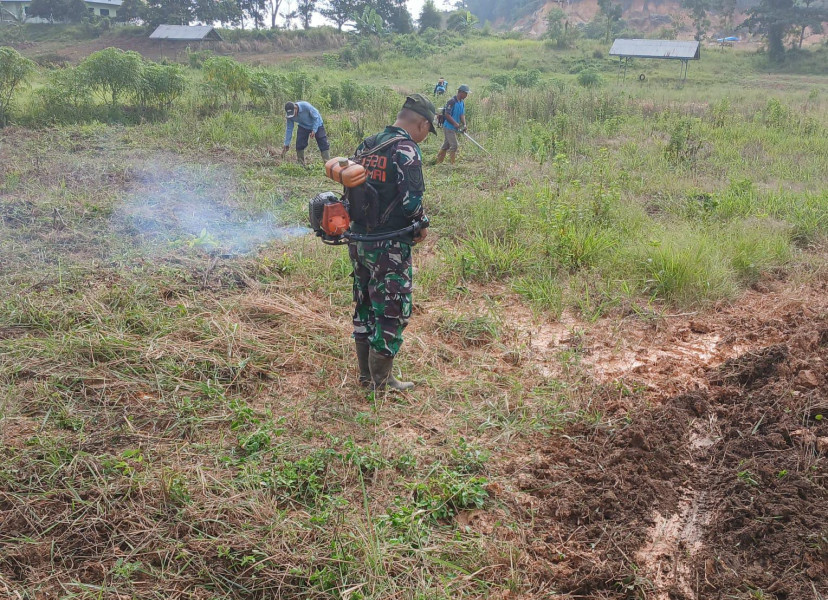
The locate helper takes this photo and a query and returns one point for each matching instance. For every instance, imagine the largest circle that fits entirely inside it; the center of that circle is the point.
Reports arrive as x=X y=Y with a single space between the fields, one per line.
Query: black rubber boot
x=382 y=374
x=363 y=349
x=326 y=155
x=300 y=157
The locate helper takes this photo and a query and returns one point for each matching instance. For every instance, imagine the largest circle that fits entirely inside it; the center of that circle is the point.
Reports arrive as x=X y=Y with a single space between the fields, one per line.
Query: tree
x=58 y=10
x=461 y=21
x=170 y=12
x=400 y=19
x=726 y=10
x=773 y=18
x=558 y=28
x=273 y=8
x=369 y=22
x=340 y=12
x=698 y=12
x=254 y=10
x=228 y=12
x=14 y=71
x=612 y=13
x=305 y=10
x=131 y=10
x=430 y=17
x=810 y=18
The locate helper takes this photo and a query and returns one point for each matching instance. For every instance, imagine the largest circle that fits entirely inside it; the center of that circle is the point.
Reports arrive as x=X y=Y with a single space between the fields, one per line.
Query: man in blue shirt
x=440 y=88
x=454 y=115
x=310 y=126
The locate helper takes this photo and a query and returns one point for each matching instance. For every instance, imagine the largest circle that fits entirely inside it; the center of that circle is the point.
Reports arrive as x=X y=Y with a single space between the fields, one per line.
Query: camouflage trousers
x=382 y=293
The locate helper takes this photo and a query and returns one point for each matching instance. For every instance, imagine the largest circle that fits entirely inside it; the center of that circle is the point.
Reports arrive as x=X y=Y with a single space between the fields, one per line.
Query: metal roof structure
x=663 y=49
x=669 y=49
x=186 y=33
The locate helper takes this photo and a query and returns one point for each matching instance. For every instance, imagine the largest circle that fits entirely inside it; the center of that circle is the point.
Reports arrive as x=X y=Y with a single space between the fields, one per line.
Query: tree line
x=393 y=14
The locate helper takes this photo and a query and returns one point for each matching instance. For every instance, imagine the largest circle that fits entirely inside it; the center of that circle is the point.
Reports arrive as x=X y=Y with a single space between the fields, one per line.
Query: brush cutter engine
x=329 y=218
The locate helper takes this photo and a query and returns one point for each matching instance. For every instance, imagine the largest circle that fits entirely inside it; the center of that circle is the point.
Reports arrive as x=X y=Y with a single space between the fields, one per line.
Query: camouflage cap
x=423 y=107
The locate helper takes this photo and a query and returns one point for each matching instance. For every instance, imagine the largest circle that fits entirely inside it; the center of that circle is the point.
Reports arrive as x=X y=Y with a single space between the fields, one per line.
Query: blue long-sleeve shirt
x=308 y=118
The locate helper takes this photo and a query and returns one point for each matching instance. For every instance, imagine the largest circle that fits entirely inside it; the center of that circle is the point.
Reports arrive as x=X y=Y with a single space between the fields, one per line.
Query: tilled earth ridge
x=718 y=492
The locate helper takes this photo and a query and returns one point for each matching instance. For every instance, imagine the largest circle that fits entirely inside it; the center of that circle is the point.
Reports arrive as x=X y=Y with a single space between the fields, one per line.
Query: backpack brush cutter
x=330 y=220
x=331 y=215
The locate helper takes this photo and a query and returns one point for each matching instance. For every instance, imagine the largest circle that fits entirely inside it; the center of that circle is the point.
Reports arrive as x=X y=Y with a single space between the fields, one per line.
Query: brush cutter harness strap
x=365 y=201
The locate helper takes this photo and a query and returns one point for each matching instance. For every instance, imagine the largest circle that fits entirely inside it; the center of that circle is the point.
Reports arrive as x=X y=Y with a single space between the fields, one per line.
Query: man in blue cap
x=310 y=127
x=454 y=120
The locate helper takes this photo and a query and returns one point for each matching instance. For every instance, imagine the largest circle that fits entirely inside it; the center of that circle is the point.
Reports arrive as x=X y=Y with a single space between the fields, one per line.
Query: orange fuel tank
x=346 y=172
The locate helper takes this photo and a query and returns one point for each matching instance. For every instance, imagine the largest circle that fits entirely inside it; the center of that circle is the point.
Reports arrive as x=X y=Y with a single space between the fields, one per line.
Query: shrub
x=267 y=88
x=227 y=77
x=14 y=71
x=777 y=114
x=502 y=80
x=51 y=60
x=352 y=94
x=330 y=96
x=685 y=142
x=589 y=78
x=197 y=58
x=67 y=98
x=527 y=79
x=160 y=85
x=113 y=73
x=363 y=51
x=299 y=84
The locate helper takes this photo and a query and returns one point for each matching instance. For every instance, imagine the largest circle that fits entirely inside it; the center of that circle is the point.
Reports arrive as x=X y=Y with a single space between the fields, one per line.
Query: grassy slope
x=185 y=426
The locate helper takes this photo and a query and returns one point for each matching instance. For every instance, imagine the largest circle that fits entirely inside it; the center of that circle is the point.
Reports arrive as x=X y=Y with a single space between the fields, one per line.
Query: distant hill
x=643 y=15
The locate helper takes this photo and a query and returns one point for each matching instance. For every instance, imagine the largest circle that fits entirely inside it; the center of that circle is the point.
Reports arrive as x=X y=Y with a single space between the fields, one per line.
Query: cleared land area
x=620 y=338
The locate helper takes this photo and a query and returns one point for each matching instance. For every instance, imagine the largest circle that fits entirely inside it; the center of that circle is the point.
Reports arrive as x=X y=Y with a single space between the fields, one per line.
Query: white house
x=17 y=10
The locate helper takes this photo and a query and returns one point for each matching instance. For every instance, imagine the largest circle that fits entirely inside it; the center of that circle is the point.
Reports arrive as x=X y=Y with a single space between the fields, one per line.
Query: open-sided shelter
x=662 y=49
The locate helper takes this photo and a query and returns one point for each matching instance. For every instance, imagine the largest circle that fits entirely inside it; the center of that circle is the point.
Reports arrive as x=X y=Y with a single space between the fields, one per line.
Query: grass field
x=619 y=340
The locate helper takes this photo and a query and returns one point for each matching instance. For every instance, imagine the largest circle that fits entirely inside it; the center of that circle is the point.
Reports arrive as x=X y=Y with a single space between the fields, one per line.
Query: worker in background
x=440 y=88
x=310 y=125
x=454 y=120
x=383 y=270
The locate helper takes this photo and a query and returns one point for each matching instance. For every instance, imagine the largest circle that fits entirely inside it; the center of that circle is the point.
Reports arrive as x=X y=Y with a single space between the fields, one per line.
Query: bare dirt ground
x=721 y=482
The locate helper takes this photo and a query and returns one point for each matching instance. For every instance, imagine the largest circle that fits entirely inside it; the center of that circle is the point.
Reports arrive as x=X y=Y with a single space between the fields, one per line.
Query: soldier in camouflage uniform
x=383 y=270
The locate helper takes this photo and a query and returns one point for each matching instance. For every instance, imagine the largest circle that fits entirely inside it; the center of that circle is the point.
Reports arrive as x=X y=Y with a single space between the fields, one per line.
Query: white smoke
x=169 y=205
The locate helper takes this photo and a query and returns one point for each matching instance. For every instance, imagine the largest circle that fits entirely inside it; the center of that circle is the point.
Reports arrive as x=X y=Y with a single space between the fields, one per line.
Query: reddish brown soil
x=717 y=491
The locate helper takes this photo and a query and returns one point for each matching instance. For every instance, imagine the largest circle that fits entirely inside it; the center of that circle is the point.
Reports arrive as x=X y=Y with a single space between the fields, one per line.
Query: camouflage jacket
x=396 y=173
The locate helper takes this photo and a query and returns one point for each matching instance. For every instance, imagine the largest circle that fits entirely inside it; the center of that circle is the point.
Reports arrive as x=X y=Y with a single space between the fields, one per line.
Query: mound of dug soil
x=718 y=493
